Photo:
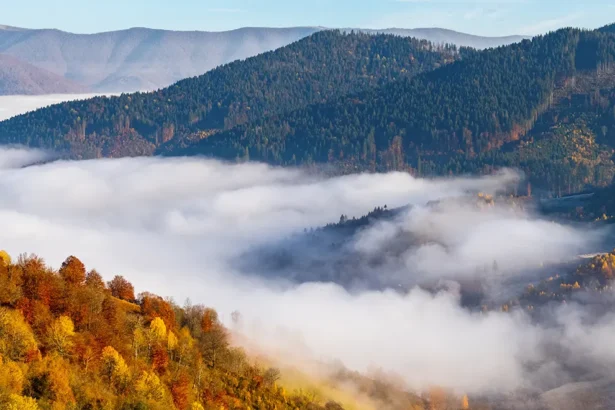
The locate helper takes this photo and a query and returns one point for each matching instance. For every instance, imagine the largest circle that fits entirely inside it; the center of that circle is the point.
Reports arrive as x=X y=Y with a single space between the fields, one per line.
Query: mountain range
x=17 y=77
x=140 y=59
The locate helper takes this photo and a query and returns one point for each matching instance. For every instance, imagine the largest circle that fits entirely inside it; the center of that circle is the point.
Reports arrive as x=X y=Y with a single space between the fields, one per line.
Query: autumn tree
x=73 y=271
x=122 y=289
x=12 y=378
x=85 y=306
x=196 y=406
x=114 y=368
x=86 y=349
x=17 y=341
x=149 y=387
x=17 y=402
x=214 y=339
x=209 y=320
x=180 y=391
x=5 y=258
x=465 y=402
x=154 y=306
x=11 y=283
x=60 y=336
x=94 y=280
x=50 y=381
x=160 y=359
x=158 y=330
x=39 y=282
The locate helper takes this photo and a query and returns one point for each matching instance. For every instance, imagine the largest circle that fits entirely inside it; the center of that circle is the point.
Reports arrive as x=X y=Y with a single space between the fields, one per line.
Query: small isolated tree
x=73 y=271
x=122 y=289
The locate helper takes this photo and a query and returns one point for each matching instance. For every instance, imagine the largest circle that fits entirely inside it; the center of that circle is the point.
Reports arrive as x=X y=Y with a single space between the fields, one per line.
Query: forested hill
x=70 y=340
x=469 y=107
x=313 y=70
x=608 y=29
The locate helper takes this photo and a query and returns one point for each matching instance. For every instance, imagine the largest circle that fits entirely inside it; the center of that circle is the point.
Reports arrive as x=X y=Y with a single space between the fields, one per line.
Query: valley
x=285 y=216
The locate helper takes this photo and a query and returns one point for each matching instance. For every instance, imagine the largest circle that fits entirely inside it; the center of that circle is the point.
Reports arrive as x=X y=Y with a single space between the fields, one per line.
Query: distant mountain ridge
x=17 y=77
x=445 y=36
x=141 y=59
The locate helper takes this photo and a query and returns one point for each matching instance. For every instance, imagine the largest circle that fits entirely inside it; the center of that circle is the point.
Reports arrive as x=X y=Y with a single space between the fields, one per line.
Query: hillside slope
x=17 y=77
x=460 y=111
x=68 y=339
x=313 y=70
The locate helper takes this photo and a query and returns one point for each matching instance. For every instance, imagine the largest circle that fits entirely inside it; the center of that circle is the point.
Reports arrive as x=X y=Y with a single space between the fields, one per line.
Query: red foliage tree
x=154 y=306
x=160 y=359
x=209 y=321
x=180 y=390
x=122 y=289
x=73 y=271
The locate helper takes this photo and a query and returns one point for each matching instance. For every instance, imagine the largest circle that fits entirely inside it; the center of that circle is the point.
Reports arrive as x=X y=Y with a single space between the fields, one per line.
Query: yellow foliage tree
x=465 y=402
x=114 y=367
x=61 y=333
x=149 y=387
x=17 y=402
x=139 y=341
x=12 y=378
x=58 y=372
x=158 y=330
x=6 y=258
x=196 y=406
x=172 y=341
x=16 y=338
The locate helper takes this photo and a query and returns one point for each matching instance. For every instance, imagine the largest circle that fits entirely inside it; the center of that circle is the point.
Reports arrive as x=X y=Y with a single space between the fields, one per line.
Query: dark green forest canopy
x=608 y=29
x=464 y=109
x=312 y=70
x=470 y=105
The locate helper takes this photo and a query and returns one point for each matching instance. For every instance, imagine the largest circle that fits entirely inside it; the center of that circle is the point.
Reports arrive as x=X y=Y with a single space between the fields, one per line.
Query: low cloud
x=12 y=105
x=176 y=227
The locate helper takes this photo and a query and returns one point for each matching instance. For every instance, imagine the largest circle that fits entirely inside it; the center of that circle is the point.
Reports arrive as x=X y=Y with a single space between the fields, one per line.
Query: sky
x=481 y=17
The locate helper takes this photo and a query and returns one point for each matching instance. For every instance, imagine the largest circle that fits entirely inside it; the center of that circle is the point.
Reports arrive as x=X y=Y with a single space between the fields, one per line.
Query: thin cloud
x=550 y=24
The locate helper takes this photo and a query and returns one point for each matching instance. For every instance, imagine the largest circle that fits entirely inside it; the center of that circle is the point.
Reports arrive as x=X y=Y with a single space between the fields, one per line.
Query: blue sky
x=483 y=17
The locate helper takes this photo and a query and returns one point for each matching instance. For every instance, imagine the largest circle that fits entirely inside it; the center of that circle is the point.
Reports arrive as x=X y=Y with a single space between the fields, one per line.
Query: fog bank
x=176 y=226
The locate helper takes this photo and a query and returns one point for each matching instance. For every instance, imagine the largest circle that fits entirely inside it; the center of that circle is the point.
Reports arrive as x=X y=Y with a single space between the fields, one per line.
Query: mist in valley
x=186 y=227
